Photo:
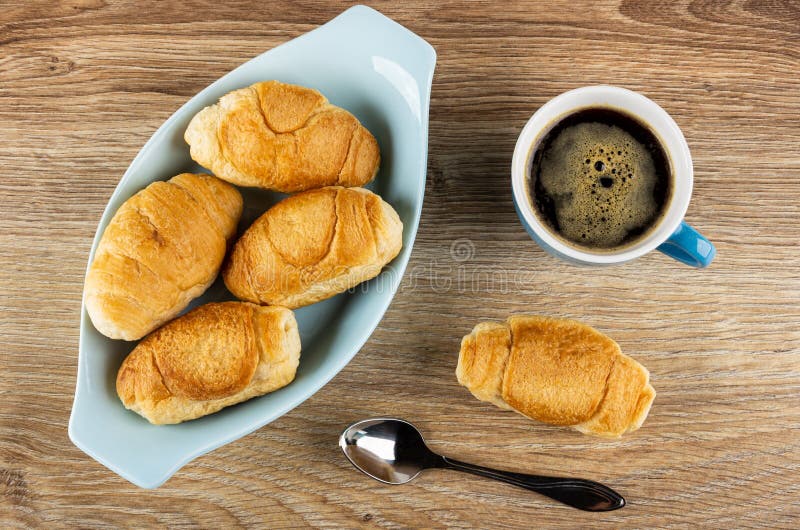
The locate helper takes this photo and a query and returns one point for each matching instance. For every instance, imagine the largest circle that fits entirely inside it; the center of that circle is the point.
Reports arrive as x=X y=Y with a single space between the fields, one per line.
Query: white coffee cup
x=671 y=235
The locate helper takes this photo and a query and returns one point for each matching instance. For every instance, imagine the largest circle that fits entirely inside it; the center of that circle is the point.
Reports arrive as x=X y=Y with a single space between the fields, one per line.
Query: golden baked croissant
x=212 y=357
x=313 y=245
x=283 y=137
x=557 y=371
x=163 y=247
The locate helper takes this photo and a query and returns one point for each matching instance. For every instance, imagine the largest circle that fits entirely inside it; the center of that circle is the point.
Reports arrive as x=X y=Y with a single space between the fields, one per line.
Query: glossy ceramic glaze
x=382 y=73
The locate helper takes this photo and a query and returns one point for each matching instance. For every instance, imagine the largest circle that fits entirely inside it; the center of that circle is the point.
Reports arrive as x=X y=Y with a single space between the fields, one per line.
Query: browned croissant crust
x=557 y=371
x=163 y=247
x=214 y=356
x=282 y=137
x=313 y=245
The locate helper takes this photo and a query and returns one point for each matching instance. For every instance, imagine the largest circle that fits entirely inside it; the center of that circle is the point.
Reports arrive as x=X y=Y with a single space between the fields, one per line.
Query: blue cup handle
x=689 y=246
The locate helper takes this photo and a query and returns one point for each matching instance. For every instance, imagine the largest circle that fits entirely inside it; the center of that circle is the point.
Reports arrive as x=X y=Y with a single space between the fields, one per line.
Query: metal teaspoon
x=393 y=451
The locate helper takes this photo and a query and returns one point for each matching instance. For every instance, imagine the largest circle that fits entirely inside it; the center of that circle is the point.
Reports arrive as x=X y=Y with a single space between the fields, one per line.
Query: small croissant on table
x=557 y=371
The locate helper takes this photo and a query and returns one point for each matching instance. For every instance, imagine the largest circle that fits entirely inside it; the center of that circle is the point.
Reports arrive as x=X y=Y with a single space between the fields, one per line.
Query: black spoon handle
x=579 y=493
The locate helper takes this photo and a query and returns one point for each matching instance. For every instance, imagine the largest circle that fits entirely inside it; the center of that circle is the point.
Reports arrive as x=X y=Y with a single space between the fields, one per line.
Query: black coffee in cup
x=599 y=179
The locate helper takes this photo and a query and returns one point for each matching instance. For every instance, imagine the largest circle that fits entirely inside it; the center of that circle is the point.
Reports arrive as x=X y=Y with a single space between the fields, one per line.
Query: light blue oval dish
x=382 y=73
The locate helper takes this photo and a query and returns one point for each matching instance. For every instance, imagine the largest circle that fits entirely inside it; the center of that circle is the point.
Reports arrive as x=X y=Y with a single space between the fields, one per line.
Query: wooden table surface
x=83 y=85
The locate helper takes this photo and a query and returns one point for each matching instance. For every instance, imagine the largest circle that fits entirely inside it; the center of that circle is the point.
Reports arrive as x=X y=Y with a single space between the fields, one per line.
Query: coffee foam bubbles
x=601 y=182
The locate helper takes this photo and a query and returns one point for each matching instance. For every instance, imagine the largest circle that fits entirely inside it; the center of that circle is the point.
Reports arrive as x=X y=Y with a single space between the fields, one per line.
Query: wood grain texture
x=84 y=83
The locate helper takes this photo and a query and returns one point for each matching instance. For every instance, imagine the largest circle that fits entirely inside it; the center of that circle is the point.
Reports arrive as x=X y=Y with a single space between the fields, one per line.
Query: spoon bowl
x=389 y=450
x=393 y=451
